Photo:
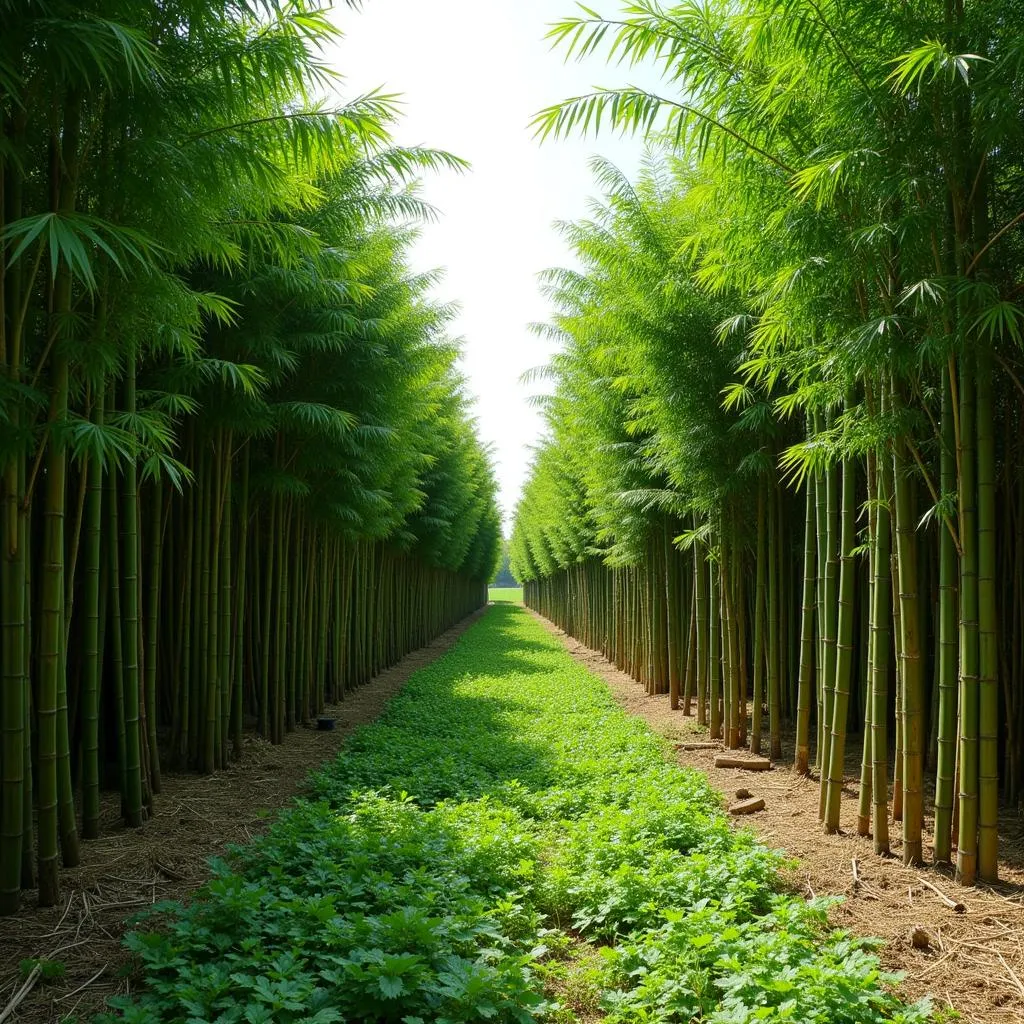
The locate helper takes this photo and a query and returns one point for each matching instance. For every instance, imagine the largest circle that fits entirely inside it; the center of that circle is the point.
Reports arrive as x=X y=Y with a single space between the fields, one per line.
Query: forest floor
x=195 y=817
x=975 y=958
x=499 y=840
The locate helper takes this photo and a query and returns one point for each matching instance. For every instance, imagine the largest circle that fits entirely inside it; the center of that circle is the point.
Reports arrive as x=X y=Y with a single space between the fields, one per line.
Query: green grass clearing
x=505 y=844
x=512 y=594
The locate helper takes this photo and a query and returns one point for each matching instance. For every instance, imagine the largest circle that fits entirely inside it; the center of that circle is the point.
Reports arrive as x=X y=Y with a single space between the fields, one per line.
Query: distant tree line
x=504 y=577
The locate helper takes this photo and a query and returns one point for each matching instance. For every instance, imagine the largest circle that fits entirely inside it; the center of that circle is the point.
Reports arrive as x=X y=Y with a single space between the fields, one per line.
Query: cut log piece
x=748 y=806
x=750 y=764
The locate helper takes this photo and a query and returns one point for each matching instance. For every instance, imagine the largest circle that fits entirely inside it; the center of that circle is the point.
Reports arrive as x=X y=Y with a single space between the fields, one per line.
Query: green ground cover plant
x=502 y=824
x=511 y=594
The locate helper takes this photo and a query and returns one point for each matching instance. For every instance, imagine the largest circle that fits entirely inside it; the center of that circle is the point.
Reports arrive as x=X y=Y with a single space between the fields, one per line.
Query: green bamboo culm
x=832 y=778
x=760 y=601
x=830 y=627
x=92 y=647
x=131 y=677
x=150 y=629
x=911 y=674
x=988 y=649
x=775 y=604
x=969 y=672
x=948 y=642
x=714 y=652
x=822 y=662
x=866 y=794
x=13 y=696
x=807 y=622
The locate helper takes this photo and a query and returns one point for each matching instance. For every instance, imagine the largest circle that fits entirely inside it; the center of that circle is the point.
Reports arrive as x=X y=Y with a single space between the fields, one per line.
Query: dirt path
x=975 y=959
x=196 y=816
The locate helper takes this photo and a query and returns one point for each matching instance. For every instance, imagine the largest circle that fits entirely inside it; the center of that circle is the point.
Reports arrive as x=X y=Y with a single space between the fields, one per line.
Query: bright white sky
x=472 y=73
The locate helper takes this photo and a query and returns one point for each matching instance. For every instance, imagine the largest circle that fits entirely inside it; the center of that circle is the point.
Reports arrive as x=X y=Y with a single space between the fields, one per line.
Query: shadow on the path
x=440 y=740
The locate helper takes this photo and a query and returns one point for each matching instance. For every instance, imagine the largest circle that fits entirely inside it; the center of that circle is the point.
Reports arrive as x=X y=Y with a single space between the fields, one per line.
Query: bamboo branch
x=845 y=54
x=19 y=996
x=81 y=987
x=1006 y=366
x=992 y=241
x=1012 y=974
x=935 y=496
x=955 y=398
x=298 y=115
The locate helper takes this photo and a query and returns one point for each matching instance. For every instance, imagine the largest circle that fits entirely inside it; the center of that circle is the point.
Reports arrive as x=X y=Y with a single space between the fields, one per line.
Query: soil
x=126 y=871
x=973 y=961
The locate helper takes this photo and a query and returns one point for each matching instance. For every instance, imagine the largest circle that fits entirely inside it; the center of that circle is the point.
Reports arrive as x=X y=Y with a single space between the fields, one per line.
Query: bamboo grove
x=783 y=478
x=239 y=475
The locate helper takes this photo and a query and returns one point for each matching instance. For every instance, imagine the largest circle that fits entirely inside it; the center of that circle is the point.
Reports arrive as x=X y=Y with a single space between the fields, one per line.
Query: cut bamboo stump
x=750 y=764
x=748 y=806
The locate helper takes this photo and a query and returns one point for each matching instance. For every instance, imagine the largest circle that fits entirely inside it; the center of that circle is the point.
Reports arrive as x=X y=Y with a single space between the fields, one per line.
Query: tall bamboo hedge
x=238 y=475
x=784 y=477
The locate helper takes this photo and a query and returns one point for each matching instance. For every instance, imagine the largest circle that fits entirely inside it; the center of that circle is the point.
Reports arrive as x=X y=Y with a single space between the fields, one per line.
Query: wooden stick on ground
x=955 y=905
x=19 y=996
x=81 y=987
x=1010 y=971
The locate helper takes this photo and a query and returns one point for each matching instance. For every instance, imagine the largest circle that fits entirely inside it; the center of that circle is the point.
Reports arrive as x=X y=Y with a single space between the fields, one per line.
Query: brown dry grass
x=975 y=959
x=126 y=871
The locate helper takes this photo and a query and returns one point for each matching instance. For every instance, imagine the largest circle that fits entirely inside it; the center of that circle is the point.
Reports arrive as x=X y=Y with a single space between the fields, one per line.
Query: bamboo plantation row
x=238 y=473
x=783 y=478
x=221 y=615
x=741 y=637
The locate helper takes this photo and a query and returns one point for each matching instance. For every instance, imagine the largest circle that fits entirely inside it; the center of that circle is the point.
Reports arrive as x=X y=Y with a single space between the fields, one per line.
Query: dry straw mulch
x=126 y=871
x=974 y=959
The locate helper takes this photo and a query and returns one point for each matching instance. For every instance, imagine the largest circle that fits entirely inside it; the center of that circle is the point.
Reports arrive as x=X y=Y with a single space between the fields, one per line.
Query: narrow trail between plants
x=503 y=844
